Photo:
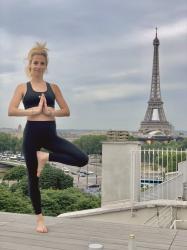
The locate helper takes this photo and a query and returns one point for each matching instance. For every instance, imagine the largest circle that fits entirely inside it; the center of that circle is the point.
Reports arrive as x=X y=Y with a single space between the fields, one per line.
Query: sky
x=100 y=55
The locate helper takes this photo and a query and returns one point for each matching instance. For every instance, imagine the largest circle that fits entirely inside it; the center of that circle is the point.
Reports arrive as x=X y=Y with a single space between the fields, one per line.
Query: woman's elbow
x=65 y=112
x=68 y=113
x=11 y=112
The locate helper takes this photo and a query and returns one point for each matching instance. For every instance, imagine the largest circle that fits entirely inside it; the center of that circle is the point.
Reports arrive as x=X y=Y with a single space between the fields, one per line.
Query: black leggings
x=42 y=134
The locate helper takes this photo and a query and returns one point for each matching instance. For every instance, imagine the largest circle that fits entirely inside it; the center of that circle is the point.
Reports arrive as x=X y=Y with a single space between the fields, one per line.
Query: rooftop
x=17 y=232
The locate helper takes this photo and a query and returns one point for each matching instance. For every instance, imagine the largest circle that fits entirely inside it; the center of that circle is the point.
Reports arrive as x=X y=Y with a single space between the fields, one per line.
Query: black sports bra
x=32 y=97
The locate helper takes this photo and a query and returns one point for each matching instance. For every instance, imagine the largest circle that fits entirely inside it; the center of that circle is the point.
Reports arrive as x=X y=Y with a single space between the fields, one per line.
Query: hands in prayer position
x=43 y=108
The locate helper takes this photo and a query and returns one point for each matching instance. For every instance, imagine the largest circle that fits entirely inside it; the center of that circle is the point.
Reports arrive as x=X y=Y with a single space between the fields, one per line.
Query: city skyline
x=100 y=54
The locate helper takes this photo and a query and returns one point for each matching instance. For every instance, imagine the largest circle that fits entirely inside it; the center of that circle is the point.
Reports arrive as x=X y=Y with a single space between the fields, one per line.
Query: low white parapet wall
x=124 y=207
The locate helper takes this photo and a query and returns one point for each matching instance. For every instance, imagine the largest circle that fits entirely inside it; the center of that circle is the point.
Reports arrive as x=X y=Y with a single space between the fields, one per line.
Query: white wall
x=116 y=171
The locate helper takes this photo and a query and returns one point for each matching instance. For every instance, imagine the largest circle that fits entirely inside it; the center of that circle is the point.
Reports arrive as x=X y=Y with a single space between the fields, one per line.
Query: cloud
x=100 y=54
x=108 y=92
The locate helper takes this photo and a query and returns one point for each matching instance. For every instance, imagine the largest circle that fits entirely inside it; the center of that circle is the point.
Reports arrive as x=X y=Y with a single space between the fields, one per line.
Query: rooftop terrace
x=17 y=232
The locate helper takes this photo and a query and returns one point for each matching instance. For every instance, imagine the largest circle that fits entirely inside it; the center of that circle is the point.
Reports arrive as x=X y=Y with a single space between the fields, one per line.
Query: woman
x=39 y=98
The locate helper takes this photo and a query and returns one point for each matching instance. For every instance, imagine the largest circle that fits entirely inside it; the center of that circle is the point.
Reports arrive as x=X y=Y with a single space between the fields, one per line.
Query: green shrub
x=22 y=186
x=55 y=202
x=15 y=173
x=13 y=202
x=52 y=177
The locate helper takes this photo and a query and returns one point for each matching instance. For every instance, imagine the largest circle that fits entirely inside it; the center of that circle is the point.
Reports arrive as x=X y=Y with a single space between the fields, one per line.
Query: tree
x=10 y=143
x=55 y=202
x=13 y=202
x=184 y=144
x=21 y=186
x=157 y=156
x=91 y=144
x=55 y=178
x=15 y=173
x=132 y=138
x=170 y=160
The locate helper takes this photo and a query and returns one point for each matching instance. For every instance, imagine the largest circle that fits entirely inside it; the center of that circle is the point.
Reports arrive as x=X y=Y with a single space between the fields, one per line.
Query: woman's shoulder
x=55 y=87
x=21 y=87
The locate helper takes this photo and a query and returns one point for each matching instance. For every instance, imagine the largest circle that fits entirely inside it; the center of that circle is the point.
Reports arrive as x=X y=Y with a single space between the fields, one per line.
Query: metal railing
x=179 y=224
x=159 y=175
x=162 y=218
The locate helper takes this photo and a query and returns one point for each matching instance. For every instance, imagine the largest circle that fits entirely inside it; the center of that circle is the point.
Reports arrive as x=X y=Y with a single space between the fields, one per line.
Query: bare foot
x=41 y=228
x=42 y=159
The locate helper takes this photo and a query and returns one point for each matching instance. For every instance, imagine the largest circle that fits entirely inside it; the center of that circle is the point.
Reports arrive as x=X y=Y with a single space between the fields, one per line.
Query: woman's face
x=38 y=65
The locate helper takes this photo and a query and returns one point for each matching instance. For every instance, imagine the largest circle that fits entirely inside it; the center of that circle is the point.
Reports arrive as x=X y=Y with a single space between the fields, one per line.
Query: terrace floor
x=17 y=232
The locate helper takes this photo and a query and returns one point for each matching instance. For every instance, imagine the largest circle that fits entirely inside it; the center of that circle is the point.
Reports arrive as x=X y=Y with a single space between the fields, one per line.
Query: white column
x=116 y=171
x=131 y=242
x=182 y=168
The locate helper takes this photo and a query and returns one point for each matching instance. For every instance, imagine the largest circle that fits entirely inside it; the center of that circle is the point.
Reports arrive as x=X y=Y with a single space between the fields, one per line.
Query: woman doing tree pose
x=38 y=97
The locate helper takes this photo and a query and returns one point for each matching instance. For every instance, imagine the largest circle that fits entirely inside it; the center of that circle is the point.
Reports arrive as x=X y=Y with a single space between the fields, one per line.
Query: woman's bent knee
x=84 y=160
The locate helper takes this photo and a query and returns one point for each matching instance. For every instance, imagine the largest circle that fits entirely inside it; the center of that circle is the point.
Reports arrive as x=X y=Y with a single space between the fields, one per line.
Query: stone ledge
x=117 y=207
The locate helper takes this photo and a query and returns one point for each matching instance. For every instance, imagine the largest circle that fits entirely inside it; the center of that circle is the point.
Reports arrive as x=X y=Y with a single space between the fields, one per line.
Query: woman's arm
x=64 y=109
x=13 y=109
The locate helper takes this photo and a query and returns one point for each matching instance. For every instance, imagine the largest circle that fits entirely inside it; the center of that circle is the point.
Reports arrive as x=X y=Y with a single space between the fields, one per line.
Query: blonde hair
x=38 y=49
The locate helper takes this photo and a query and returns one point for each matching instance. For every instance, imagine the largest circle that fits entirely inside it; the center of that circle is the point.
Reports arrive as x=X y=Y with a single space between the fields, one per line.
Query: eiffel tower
x=155 y=119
